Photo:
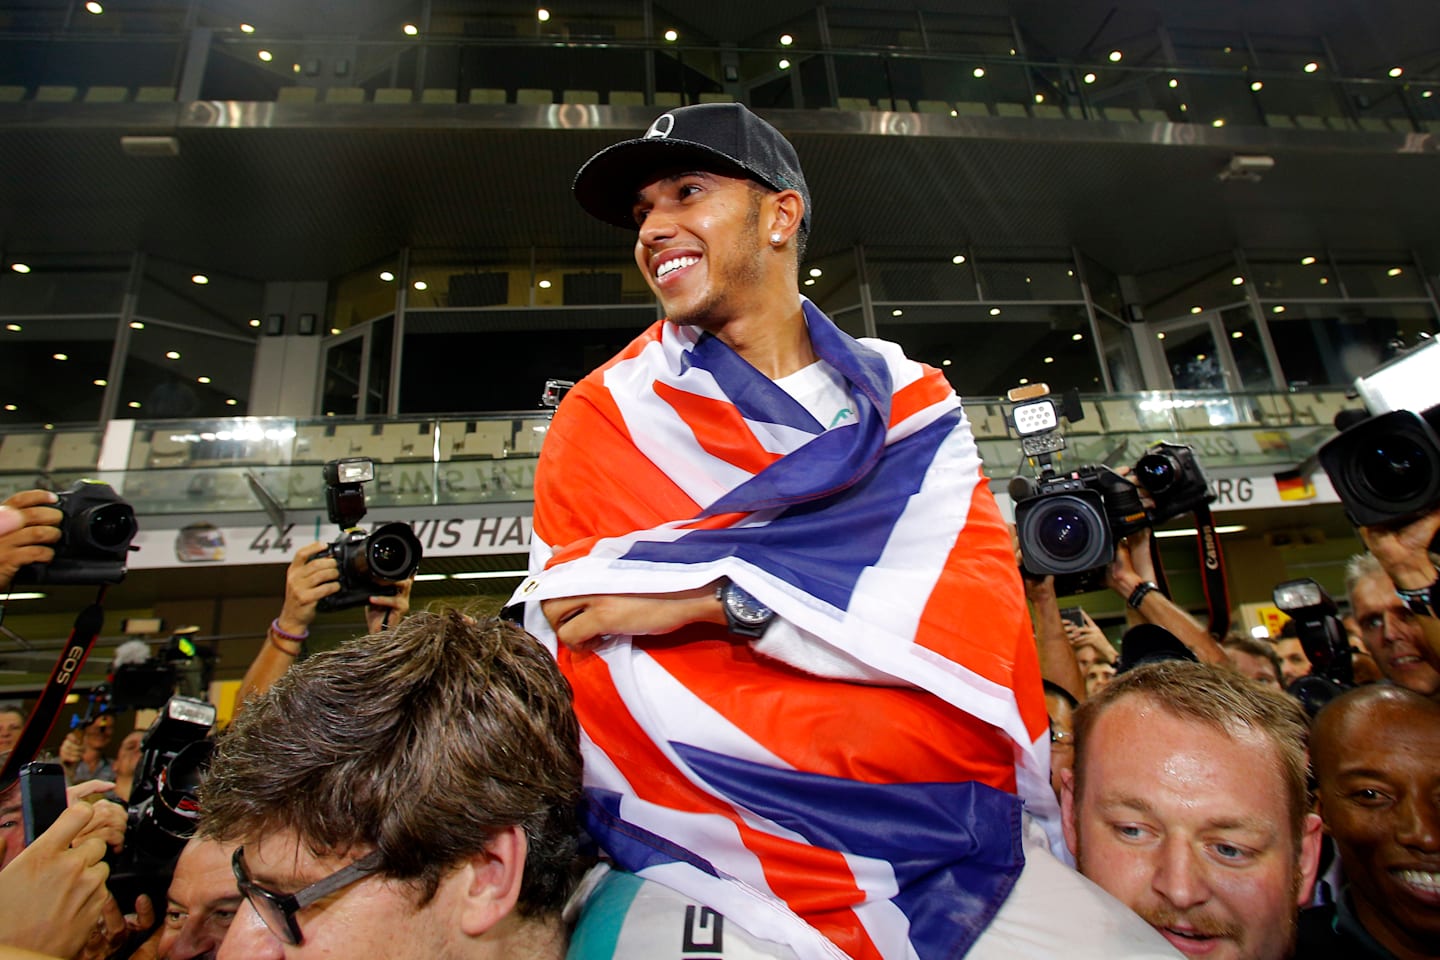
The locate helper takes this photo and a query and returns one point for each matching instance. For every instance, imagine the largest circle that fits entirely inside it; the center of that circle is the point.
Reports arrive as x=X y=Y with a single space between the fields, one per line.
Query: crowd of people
x=773 y=688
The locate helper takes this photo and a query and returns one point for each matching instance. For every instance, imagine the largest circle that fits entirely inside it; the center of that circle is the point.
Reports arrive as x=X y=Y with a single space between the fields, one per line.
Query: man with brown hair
x=422 y=781
x=1188 y=803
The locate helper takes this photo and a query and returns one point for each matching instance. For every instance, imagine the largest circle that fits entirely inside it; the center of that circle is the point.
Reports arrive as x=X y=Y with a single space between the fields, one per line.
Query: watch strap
x=732 y=598
x=1138 y=595
x=1422 y=601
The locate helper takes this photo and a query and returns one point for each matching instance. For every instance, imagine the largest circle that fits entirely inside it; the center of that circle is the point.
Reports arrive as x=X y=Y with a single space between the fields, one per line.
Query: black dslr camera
x=1386 y=467
x=1172 y=477
x=94 y=538
x=1067 y=522
x=370 y=564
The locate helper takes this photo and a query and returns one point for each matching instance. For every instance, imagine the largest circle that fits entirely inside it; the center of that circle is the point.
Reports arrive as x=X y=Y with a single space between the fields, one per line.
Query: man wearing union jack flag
x=769 y=564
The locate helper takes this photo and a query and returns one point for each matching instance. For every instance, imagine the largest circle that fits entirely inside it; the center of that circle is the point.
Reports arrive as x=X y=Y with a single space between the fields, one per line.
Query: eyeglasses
x=278 y=909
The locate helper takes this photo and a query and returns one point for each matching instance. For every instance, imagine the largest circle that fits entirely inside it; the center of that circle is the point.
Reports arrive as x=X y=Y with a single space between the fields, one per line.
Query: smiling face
x=700 y=246
x=1379 y=788
x=1191 y=827
x=1390 y=632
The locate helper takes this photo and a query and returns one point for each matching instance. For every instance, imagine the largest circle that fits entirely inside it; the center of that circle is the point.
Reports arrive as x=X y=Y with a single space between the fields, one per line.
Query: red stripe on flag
x=911 y=399
x=814 y=882
x=718 y=428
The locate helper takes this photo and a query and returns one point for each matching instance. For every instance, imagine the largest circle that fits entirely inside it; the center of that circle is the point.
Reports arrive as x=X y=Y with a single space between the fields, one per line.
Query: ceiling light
x=809 y=281
x=200 y=278
x=426 y=577
x=1049 y=360
x=137 y=325
x=386 y=275
x=1024 y=380
x=1160 y=336
x=254 y=321
x=202 y=379
x=14 y=327
x=1396 y=71
x=1257 y=86
x=1199 y=356
x=1306 y=261
x=786 y=39
x=1311 y=67
x=420 y=285
x=1278 y=308
x=897 y=312
x=61 y=356
x=954 y=113
x=489 y=574
x=10 y=407
x=1236 y=281
x=172 y=354
x=1089 y=78
x=1393 y=272
x=542 y=15
x=1218 y=122
x=1196 y=309
x=1228 y=528
x=1115 y=56
x=133 y=404
x=334 y=331
x=1237 y=334
x=295 y=68
x=978 y=72
x=231 y=401
x=672 y=35
x=1428 y=94
x=959 y=258
x=544 y=284
x=1174 y=83
x=1077 y=336
x=246 y=28
x=410 y=30
x=944 y=363
x=994 y=311
x=20 y=267
x=784 y=64
x=816 y=272
x=28 y=596
x=93 y=7
x=1184 y=107
x=265 y=55
x=1039 y=98
x=1324 y=281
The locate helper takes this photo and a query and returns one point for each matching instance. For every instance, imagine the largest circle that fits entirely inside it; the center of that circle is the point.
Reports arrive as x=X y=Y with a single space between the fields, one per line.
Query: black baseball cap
x=719 y=137
x=1147 y=643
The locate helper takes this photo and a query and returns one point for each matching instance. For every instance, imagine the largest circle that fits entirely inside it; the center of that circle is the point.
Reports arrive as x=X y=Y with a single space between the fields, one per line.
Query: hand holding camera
x=31 y=526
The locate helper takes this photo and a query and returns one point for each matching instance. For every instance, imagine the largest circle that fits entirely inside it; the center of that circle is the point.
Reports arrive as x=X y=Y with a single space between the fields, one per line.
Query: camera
x=370 y=564
x=1171 y=475
x=1067 y=524
x=1386 y=467
x=94 y=538
x=163 y=809
x=1322 y=637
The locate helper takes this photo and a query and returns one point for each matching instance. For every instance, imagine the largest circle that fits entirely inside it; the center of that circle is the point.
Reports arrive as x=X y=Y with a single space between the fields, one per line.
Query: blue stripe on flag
x=955 y=848
x=632 y=847
x=800 y=546
x=753 y=394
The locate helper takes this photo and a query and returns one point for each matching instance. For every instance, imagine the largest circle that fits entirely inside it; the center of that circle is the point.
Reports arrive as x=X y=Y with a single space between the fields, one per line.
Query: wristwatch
x=744 y=615
x=1422 y=601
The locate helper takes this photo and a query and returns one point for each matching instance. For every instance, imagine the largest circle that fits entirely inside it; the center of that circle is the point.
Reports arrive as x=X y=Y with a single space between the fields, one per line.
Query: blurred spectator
x=1375 y=755
x=127 y=759
x=307 y=582
x=12 y=722
x=1293 y=662
x=1388 y=628
x=1131 y=575
x=432 y=837
x=1188 y=802
x=82 y=752
x=1404 y=553
x=1060 y=705
x=1098 y=676
x=1256 y=659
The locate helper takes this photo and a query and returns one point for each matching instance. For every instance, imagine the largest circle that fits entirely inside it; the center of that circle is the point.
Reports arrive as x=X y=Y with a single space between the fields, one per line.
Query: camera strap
x=1212 y=571
x=83 y=635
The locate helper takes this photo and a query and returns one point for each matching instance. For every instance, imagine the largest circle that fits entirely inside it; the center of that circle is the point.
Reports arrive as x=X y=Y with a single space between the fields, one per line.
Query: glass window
x=59 y=287
x=1303 y=276
x=1206 y=284
x=53 y=369
x=1399 y=279
x=1122 y=358
x=382 y=349
x=1192 y=359
x=832 y=282
x=896 y=275
x=1332 y=344
x=1251 y=364
x=340 y=395
x=363 y=295
x=1028 y=280
x=173 y=372
x=986 y=351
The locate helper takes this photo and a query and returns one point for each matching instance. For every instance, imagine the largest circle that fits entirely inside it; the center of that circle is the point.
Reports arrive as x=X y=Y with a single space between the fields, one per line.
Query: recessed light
x=231 y=401
x=1218 y=122
x=544 y=284
x=816 y=272
x=978 y=72
x=1174 y=83
x=542 y=15
x=1115 y=56
x=1306 y=261
x=944 y=363
x=1049 y=360
x=20 y=267
x=1257 y=86
x=1077 y=336
x=137 y=325
x=172 y=355
x=410 y=30
x=672 y=35
x=786 y=39
x=200 y=278
x=1160 y=336
x=1396 y=71
x=386 y=275
x=809 y=281
x=14 y=327
x=1024 y=380
x=246 y=28
x=1196 y=309
x=100 y=383
x=784 y=64
x=1237 y=334
x=1324 y=281
x=93 y=7
x=1393 y=272
x=420 y=285
x=994 y=311
x=959 y=258
x=133 y=404
x=1278 y=308
x=1089 y=78
x=1427 y=94
x=1237 y=281
x=334 y=331
x=1311 y=67
x=265 y=55
x=1039 y=98
x=202 y=379
x=897 y=312
x=11 y=407
x=61 y=356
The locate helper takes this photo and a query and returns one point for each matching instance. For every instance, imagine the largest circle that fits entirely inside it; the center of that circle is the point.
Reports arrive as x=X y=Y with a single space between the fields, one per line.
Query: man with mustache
x=1188 y=803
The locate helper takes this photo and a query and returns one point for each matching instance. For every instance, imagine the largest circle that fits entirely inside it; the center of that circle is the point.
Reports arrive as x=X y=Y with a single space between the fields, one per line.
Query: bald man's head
x=1373 y=752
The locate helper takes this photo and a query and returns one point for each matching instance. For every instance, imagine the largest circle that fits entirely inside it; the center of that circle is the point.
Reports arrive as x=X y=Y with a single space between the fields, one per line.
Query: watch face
x=745 y=608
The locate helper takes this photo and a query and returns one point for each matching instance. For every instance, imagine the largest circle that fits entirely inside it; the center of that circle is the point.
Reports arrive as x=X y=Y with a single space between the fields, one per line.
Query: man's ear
x=492 y=881
x=1067 y=810
x=1309 y=866
x=787 y=211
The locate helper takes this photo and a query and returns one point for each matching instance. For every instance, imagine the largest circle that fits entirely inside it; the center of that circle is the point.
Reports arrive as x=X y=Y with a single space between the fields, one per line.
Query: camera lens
x=112 y=526
x=393 y=552
x=1155 y=472
x=1063 y=534
x=1393 y=468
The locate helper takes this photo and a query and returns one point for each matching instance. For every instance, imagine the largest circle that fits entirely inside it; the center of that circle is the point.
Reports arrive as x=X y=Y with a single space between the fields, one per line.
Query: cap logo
x=661 y=128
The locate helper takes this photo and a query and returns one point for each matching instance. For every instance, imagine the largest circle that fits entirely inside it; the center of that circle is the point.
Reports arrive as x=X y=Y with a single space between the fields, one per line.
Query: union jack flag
x=873 y=819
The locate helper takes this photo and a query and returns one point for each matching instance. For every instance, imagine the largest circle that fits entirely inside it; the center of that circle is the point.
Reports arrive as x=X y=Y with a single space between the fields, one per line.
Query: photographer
x=1132 y=576
x=1405 y=644
x=307 y=582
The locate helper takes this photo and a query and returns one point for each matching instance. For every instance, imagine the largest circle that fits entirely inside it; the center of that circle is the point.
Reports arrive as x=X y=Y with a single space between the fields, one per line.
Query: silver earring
x=775 y=237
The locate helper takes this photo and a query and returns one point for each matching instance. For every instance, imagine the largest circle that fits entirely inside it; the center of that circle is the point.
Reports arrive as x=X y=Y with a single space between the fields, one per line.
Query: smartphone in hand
x=42 y=797
x=1073 y=615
